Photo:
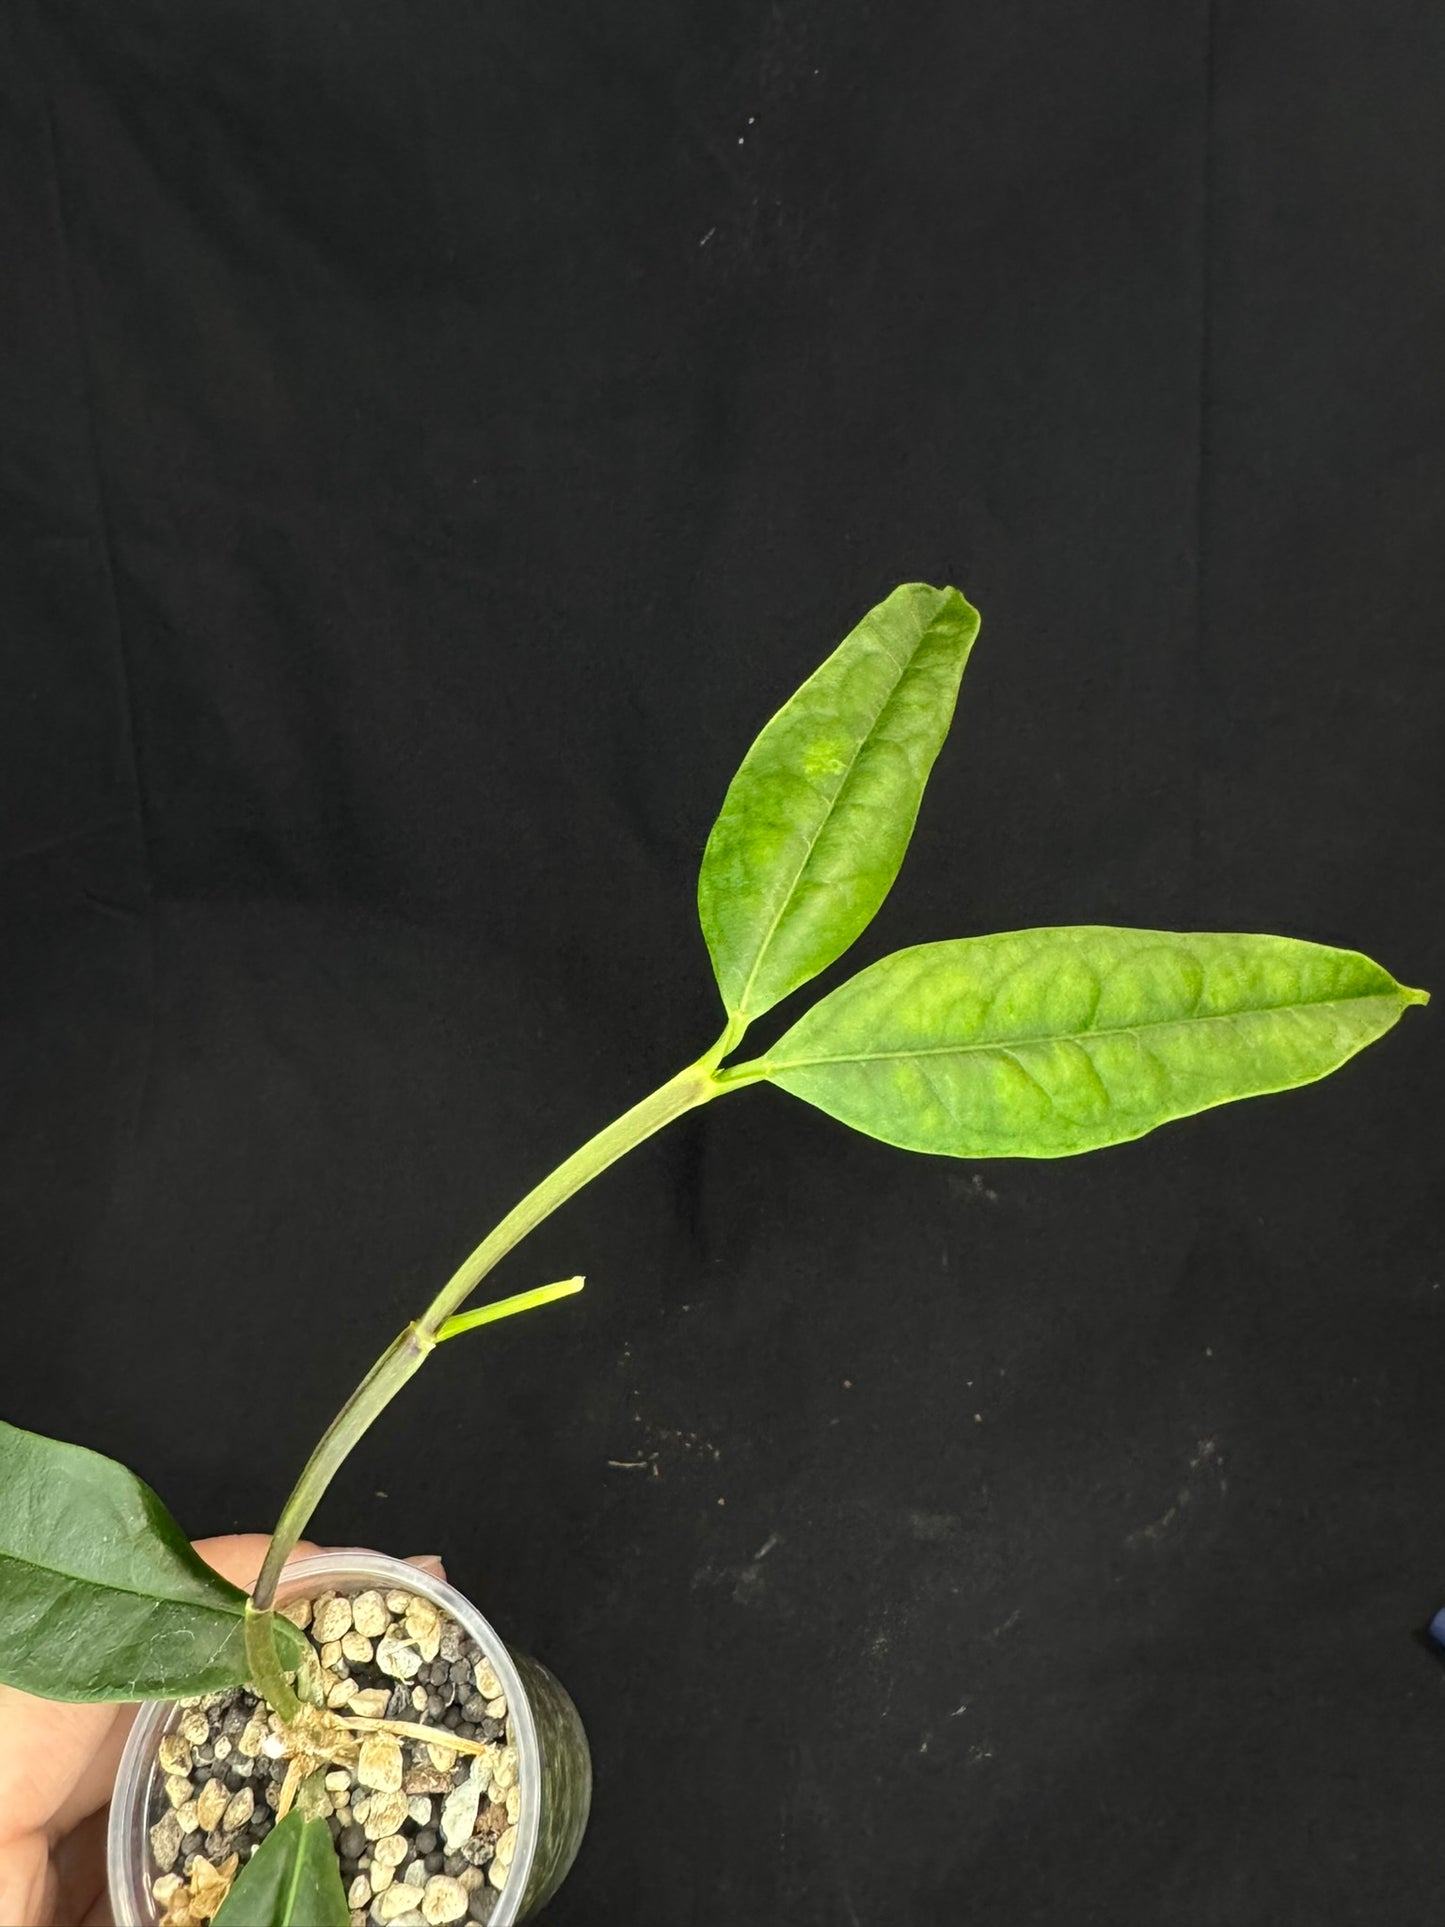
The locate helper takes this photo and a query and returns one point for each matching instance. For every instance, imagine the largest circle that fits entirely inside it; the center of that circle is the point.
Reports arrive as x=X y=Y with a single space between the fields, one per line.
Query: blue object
x=1437 y=1627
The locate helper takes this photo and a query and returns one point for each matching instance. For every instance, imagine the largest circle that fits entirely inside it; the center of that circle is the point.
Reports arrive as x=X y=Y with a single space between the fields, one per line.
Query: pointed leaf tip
x=293 y=1879
x=1044 y=1043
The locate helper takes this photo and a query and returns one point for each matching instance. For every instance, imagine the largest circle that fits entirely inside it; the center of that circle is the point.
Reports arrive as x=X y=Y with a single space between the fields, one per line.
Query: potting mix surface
x=425 y=1828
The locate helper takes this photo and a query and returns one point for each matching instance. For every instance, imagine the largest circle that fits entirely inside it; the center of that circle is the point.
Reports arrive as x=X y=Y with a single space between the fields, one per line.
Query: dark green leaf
x=102 y=1596
x=291 y=1880
x=1041 y=1043
x=817 y=819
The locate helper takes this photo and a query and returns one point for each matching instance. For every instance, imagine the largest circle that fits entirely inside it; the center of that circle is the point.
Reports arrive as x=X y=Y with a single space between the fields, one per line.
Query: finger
x=25 y=1884
x=54 y=1758
x=79 y=1868
x=237 y=1556
x=96 y=1778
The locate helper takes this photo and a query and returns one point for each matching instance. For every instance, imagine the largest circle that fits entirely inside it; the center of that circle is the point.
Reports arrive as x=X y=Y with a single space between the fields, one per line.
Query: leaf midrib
x=827 y=817
x=289 y=1898
x=110 y=1585
x=1077 y=1036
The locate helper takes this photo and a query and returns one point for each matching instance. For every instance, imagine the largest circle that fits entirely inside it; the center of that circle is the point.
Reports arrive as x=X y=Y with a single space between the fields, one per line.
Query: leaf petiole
x=465 y=1321
x=737 y=1075
x=732 y=1036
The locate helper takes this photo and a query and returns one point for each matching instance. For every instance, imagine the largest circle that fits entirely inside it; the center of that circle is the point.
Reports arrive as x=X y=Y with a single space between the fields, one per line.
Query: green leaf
x=102 y=1596
x=1042 y=1043
x=291 y=1880
x=817 y=819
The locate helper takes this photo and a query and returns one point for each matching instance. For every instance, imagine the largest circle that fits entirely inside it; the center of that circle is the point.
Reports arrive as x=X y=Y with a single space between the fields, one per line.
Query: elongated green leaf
x=817 y=819
x=101 y=1595
x=291 y=1880
x=1042 y=1043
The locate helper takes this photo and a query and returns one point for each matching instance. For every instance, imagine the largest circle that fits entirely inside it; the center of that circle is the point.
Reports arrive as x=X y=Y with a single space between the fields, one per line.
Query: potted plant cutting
x=352 y=1742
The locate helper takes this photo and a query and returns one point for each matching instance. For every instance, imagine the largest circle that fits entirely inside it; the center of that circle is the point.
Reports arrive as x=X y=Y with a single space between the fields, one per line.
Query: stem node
x=442 y=1319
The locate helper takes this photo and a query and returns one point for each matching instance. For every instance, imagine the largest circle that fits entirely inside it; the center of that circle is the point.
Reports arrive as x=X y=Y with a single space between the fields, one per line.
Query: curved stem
x=407 y=1353
x=684 y=1092
x=732 y=1036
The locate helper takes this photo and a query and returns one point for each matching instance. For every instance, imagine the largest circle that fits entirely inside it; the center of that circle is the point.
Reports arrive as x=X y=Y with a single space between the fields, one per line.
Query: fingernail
x=429 y=1562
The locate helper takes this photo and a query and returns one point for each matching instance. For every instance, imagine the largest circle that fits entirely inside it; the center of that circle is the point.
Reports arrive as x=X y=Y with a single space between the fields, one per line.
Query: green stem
x=404 y=1356
x=684 y=1092
x=691 y=1087
x=263 y=1656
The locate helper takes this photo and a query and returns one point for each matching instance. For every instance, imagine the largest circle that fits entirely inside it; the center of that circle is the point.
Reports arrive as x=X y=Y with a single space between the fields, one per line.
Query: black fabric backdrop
x=435 y=437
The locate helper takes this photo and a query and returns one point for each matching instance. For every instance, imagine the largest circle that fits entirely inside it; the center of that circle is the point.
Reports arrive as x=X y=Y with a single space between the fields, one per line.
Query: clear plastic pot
x=555 y=1769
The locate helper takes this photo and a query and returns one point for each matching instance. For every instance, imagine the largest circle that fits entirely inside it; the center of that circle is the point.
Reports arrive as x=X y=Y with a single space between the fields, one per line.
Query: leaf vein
x=110 y=1585
x=1006 y=1046
x=812 y=841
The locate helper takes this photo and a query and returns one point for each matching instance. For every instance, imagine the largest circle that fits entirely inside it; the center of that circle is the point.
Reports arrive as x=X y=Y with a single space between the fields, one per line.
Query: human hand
x=57 y=1768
